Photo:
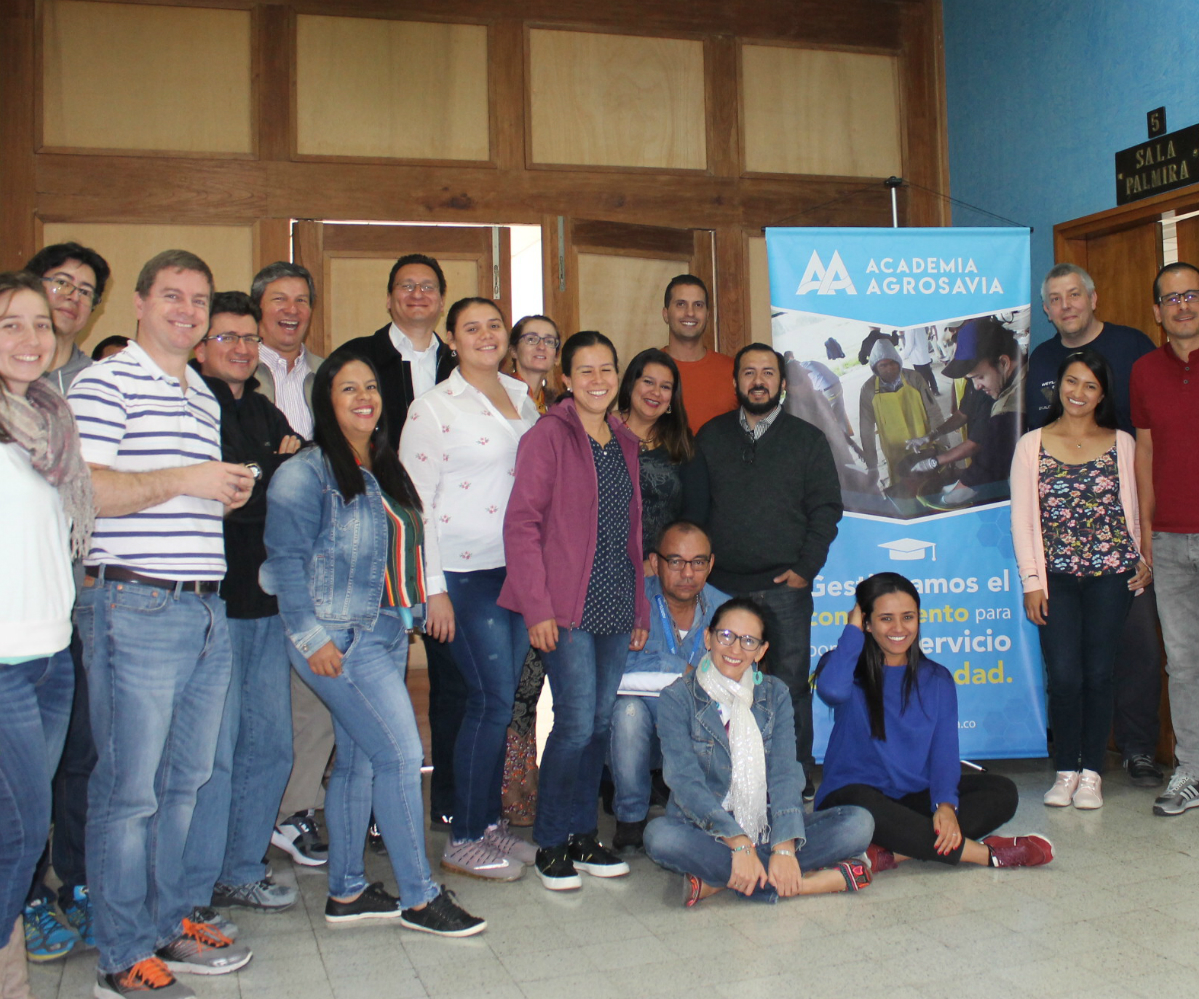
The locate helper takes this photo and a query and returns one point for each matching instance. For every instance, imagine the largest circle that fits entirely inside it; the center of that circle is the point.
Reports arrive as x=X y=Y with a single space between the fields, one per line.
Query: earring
x=453 y=353
x=705 y=664
x=757 y=678
x=668 y=409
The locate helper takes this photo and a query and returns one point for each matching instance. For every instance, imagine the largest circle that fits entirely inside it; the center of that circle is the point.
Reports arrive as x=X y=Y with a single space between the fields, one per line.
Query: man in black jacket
x=235 y=810
x=407 y=353
x=765 y=486
x=411 y=358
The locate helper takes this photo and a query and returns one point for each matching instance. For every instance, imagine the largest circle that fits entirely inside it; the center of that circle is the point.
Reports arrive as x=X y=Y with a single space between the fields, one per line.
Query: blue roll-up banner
x=889 y=334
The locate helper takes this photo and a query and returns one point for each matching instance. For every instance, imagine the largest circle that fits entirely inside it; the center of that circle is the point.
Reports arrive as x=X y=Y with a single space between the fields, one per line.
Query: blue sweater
x=921 y=749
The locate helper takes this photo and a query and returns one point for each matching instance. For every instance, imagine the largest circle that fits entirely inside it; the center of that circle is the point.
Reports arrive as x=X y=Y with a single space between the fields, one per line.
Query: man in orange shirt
x=706 y=376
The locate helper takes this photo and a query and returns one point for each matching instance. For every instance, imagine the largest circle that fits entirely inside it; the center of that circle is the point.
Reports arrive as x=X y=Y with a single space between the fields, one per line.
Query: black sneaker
x=1143 y=771
x=555 y=869
x=373 y=903
x=444 y=917
x=590 y=855
x=374 y=839
x=809 y=791
x=299 y=836
x=629 y=836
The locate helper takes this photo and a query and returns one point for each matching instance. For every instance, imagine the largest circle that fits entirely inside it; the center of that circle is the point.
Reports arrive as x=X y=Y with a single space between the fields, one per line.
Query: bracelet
x=782 y=853
x=742 y=849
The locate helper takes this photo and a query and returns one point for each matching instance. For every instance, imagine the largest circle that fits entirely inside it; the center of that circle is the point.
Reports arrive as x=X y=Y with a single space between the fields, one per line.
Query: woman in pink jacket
x=572 y=543
x=1076 y=532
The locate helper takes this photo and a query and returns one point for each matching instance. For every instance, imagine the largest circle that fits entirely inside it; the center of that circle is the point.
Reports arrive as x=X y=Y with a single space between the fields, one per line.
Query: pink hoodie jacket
x=550 y=526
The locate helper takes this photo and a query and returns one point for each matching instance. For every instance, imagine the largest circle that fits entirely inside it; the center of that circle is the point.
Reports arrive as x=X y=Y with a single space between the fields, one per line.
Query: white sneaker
x=509 y=844
x=1089 y=793
x=479 y=859
x=1062 y=792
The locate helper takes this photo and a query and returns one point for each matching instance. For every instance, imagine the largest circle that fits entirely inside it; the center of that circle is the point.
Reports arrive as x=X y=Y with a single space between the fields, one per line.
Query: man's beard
x=758 y=408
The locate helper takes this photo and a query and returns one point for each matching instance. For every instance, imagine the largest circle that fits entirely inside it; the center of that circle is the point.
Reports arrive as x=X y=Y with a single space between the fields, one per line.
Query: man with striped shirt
x=155 y=638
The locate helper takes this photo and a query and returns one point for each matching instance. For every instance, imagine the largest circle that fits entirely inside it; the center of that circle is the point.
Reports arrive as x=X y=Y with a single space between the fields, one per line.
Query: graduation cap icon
x=909 y=549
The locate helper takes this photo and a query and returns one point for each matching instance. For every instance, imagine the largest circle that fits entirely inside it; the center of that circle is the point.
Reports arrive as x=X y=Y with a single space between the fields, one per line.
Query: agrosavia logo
x=900 y=276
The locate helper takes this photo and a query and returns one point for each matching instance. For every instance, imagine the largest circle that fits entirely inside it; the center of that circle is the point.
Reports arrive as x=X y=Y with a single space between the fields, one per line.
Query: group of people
x=256 y=531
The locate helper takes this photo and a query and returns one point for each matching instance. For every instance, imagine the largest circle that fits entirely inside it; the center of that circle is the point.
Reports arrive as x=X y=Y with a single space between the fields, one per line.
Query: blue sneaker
x=79 y=914
x=46 y=939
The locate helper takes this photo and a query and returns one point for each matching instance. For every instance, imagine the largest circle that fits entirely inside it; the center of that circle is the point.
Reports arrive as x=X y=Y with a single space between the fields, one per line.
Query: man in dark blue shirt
x=1068 y=298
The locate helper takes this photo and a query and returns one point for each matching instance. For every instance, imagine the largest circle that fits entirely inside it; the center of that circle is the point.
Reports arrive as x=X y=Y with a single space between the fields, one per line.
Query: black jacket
x=395 y=375
x=252 y=429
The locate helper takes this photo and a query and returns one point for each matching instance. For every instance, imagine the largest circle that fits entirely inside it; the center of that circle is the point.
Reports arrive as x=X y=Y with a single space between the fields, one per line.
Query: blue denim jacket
x=656 y=656
x=698 y=766
x=325 y=557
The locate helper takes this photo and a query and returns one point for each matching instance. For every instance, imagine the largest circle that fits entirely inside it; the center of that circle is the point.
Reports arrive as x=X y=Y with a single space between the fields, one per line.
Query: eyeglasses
x=533 y=340
x=229 y=338
x=61 y=287
x=428 y=287
x=1179 y=298
x=750 y=643
x=676 y=562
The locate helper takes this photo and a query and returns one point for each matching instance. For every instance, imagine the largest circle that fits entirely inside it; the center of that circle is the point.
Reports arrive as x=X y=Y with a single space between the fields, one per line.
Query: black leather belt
x=121 y=575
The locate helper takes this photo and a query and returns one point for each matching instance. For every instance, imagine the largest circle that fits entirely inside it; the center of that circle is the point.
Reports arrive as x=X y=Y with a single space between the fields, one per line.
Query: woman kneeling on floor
x=894 y=745
x=735 y=817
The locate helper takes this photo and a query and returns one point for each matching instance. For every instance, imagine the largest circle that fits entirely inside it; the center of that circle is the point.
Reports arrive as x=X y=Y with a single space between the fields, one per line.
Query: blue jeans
x=235 y=810
x=632 y=753
x=1176 y=578
x=35 y=702
x=378 y=759
x=789 y=627
x=834 y=834
x=158 y=663
x=489 y=648
x=1079 y=640
x=584 y=672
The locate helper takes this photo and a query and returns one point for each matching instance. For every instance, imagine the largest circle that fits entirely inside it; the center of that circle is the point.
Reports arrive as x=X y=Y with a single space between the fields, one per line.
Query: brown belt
x=129 y=576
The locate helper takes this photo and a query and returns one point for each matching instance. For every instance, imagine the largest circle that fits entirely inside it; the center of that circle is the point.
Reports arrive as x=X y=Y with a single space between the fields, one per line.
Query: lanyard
x=668 y=626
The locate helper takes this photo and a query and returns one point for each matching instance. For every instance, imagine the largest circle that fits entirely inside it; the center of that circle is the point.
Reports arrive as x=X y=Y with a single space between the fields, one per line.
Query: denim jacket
x=325 y=557
x=698 y=766
x=652 y=668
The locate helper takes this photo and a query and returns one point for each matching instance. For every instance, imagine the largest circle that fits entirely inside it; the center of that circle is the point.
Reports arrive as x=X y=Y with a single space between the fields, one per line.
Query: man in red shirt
x=706 y=376
x=1165 y=410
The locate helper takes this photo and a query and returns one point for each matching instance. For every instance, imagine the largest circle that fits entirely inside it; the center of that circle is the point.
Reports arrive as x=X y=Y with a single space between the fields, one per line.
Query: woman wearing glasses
x=735 y=817
x=650 y=404
x=894 y=745
x=533 y=350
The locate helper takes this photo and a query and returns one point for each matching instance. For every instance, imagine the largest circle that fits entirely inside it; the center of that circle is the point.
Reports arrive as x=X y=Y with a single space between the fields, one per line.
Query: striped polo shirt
x=133 y=417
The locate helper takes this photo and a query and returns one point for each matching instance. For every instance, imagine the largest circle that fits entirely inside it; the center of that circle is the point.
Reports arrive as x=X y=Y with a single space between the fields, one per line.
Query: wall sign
x=1161 y=164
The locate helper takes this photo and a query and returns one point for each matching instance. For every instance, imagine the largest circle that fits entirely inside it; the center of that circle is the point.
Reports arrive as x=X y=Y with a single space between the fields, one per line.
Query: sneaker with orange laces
x=202 y=949
x=1032 y=850
x=148 y=979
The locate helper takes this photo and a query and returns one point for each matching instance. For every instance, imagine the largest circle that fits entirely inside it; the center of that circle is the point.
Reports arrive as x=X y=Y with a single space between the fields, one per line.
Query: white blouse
x=461 y=455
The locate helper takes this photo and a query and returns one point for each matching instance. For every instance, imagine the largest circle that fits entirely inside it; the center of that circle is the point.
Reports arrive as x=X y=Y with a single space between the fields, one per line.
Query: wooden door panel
x=1123 y=265
x=350 y=264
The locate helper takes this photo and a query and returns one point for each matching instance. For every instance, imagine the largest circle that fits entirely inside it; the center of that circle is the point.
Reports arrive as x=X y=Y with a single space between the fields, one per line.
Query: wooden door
x=610 y=276
x=350 y=264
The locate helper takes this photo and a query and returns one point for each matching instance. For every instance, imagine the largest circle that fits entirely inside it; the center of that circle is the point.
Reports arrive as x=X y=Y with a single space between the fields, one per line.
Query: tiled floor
x=1115 y=916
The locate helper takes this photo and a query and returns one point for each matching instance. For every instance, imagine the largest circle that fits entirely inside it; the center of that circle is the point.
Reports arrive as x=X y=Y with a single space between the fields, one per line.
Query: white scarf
x=747 y=789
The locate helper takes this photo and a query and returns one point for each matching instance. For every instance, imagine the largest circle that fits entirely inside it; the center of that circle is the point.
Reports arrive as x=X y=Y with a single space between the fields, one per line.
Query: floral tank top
x=1082 y=518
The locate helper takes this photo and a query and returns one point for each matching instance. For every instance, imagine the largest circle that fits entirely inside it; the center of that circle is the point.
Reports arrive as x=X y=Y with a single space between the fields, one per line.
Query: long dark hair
x=670 y=428
x=385 y=461
x=869 y=672
x=1096 y=363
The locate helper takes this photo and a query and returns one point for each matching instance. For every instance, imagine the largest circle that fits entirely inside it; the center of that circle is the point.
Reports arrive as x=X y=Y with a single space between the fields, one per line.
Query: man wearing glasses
x=74 y=278
x=235 y=811
x=1068 y=297
x=407 y=353
x=1165 y=411
x=765 y=487
x=681 y=607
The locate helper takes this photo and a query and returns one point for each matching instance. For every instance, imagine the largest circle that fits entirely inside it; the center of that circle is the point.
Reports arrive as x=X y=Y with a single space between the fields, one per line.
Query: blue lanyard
x=669 y=627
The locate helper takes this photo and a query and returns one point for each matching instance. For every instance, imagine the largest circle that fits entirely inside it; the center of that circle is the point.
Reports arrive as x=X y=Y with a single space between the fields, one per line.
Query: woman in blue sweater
x=894 y=745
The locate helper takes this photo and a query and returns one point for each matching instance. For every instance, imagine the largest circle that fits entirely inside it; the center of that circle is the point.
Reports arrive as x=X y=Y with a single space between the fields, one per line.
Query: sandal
x=856 y=874
x=692 y=886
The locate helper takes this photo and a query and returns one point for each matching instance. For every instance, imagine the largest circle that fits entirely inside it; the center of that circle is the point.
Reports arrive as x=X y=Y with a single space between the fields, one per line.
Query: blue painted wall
x=1042 y=93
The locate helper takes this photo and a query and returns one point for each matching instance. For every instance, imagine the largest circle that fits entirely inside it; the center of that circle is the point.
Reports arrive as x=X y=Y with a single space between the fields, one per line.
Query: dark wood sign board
x=1158 y=165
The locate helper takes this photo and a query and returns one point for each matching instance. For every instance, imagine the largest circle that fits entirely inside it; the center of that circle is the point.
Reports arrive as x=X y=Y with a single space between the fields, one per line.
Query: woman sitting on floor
x=735 y=817
x=894 y=744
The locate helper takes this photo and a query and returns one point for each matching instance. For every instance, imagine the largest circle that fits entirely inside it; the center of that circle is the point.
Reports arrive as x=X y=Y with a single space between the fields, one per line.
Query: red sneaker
x=1019 y=851
x=881 y=859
